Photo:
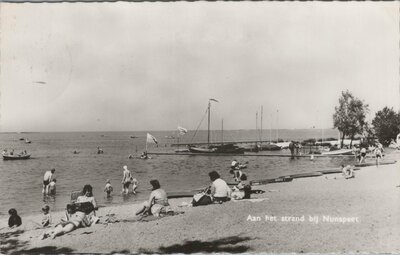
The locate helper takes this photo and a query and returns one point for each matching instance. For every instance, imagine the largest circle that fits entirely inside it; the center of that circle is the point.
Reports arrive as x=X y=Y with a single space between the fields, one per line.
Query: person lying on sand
x=74 y=220
x=157 y=204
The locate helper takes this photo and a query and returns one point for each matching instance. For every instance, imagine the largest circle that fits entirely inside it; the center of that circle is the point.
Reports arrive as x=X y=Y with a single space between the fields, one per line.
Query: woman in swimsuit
x=157 y=203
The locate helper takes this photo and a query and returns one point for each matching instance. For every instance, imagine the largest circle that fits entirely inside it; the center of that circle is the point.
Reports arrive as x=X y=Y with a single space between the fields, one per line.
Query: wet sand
x=369 y=203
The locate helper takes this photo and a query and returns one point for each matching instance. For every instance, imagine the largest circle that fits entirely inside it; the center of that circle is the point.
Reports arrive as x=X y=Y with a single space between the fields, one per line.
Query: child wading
x=108 y=189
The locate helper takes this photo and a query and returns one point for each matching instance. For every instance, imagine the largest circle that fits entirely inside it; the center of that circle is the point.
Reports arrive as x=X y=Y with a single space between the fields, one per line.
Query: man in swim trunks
x=126 y=180
x=47 y=178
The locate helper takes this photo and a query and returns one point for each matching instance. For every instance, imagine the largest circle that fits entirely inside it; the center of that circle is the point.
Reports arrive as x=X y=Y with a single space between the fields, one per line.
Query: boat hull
x=16 y=157
x=220 y=149
x=339 y=152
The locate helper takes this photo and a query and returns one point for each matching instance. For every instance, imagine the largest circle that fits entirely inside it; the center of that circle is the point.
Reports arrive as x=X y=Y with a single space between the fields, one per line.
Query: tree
x=386 y=125
x=349 y=116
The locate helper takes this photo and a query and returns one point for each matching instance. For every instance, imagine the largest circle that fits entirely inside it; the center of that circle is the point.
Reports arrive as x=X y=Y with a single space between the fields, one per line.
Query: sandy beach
x=354 y=215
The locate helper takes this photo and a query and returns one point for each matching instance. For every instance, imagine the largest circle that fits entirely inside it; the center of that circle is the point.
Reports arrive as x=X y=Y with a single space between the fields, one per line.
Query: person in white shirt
x=220 y=191
x=47 y=178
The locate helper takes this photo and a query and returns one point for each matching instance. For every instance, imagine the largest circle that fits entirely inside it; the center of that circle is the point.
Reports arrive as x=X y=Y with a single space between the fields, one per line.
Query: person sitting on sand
x=126 y=180
x=47 y=178
x=14 y=220
x=220 y=191
x=87 y=196
x=108 y=188
x=46 y=220
x=348 y=172
x=52 y=187
x=75 y=219
x=157 y=204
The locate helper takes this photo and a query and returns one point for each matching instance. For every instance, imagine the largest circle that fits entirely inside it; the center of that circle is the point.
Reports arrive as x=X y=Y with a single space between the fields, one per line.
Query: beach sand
x=371 y=198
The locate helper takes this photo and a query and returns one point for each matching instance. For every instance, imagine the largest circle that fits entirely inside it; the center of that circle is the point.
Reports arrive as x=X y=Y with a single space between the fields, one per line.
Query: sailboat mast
x=222 y=131
x=257 y=124
x=208 y=129
x=261 y=124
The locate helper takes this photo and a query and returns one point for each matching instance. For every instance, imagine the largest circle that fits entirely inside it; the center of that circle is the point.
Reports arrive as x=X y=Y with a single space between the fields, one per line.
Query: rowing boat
x=16 y=157
x=339 y=152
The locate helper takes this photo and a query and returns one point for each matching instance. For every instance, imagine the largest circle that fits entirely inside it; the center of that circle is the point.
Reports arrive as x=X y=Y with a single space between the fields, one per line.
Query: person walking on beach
x=378 y=153
x=47 y=178
x=363 y=153
x=126 y=180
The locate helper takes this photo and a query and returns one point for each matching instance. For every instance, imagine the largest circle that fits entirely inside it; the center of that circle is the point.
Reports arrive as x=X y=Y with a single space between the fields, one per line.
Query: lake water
x=21 y=180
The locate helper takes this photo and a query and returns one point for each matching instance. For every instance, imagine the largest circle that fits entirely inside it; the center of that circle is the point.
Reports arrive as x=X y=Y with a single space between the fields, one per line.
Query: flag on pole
x=182 y=130
x=151 y=139
x=212 y=99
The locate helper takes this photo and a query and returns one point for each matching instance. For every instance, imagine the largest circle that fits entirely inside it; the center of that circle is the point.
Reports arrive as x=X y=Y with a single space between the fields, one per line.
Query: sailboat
x=215 y=148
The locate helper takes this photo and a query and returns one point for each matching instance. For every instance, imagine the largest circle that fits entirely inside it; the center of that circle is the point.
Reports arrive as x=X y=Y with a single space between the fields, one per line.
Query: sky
x=154 y=66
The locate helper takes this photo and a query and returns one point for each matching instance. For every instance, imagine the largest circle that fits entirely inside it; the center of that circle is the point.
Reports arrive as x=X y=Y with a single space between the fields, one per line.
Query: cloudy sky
x=153 y=66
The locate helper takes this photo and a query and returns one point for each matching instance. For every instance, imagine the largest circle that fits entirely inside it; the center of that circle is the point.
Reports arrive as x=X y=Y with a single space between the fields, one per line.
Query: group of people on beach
x=377 y=150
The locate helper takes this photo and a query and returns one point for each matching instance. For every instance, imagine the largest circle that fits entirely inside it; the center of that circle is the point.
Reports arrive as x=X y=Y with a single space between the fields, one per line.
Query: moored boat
x=339 y=152
x=223 y=148
x=16 y=157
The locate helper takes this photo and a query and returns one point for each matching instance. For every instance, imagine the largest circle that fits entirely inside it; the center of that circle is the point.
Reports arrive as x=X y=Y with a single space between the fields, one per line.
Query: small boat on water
x=133 y=137
x=27 y=141
x=16 y=157
x=339 y=152
x=270 y=147
x=182 y=150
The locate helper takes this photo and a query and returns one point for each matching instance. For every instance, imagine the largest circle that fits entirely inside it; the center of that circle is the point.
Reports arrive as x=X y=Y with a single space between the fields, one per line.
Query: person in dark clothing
x=14 y=220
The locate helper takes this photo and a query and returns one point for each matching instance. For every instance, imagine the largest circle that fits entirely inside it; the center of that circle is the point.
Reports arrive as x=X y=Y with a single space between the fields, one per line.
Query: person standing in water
x=126 y=180
x=47 y=178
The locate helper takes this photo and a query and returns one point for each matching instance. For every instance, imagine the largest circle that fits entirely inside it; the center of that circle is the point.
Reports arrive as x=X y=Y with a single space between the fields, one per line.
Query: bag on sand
x=202 y=198
x=86 y=207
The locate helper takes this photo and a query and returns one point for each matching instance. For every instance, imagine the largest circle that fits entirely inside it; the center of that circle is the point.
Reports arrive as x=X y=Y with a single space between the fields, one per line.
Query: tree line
x=350 y=119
